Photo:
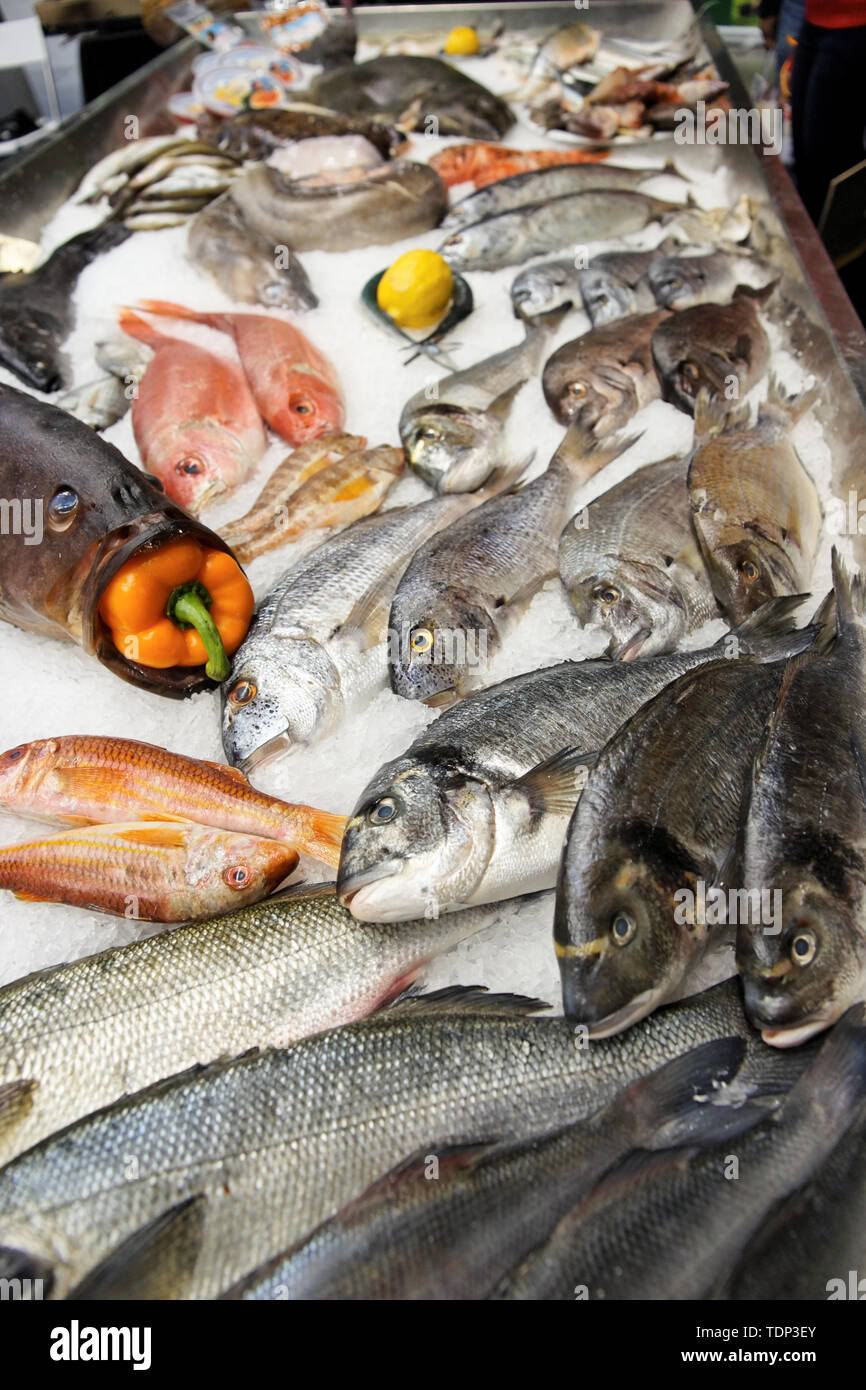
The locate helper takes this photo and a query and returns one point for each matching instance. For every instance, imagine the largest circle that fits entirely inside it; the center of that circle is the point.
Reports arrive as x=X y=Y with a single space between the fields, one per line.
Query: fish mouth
x=795 y=1034
x=630 y=648
x=443 y=699
x=630 y=1013
x=276 y=747
x=349 y=887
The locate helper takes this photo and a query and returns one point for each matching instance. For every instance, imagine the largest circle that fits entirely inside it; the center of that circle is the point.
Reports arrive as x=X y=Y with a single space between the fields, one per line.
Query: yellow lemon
x=462 y=40
x=416 y=289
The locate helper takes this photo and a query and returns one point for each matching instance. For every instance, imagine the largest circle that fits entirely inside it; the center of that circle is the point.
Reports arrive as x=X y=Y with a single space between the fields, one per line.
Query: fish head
x=311 y=407
x=285 y=293
x=439 y=640
x=620 y=949
x=605 y=296
x=205 y=462
x=31 y=348
x=542 y=288
x=418 y=843
x=678 y=282
x=747 y=573
x=21 y=768
x=600 y=398
x=240 y=869
x=687 y=365
x=802 y=970
x=637 y=603
x=281 y=695
x=452 y=449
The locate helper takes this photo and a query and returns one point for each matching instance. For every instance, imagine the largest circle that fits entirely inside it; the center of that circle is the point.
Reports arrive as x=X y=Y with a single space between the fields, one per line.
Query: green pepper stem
x=188 y=607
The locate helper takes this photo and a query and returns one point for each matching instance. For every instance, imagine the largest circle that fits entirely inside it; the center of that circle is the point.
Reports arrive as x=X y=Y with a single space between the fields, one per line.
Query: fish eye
x=606 y=593
x=63 y=509
x=577 y=389
x=429 y=432
x=675 y=283
x=382 y=812
x=749 y=571
x=191 y=466
x=804 y=947
x=242 y=693
x=302 y=407
x=421 y=639
x=690 y=372
x=238 y=876
x=273 y=293
x=13 y=755
x=622 y=928
x=601 y=298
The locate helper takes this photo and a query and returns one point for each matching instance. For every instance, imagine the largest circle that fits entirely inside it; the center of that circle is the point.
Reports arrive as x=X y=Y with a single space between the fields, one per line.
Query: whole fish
x=167 y=871
x=804 y=836
x=477 y=807
x=481 y=163
x=602 y=379
x=630 y=563
x=77 y=1037
x=671 y=1226
x=455 y=440
x=244 y=264
x=36 y=310
x=194 y=418
x=510 y=238
x=681 y=282
x=81 y=778
x=112 y=172
x=469 y=581
x=755 y=509
x=272 y=1143
x=720 y=347
x=610 y=287
x=346 y=490
x=408 y=91
x=411 y=1238
x=287 y=477
x=98 y=403
x=635 y=920
x=319 y=642
x=252 y=135
x=294 y=385
x=539 y=185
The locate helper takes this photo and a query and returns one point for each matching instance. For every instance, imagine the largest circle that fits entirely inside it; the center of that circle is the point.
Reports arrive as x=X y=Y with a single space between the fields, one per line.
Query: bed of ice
x=53 y=688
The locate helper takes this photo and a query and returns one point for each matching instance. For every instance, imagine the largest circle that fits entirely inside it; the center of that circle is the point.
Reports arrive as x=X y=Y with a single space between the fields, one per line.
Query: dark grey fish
x=255 y=135
x=251 y=269
x=721 y=348
x=680 y=282
x=605 y=377
x=410 y=91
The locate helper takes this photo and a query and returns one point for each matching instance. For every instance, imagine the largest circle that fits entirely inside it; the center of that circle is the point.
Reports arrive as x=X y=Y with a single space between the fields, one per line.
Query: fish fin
x=501 y=404
x=824 y=621
x=16 y=1100
x=234 y=772
x=850 y=593
x=163 y=834
x=838 y=1073
x=155 y=1262
x=86 y=783
x=137 y=327
x=584 y=455
x=23 y=896
x=304 y=891
x=670 y=1105
x=556 y=784
x=464 y=999
x=774 y=618
x=670 y=167
x=367 y=620
x=760 y=296
x=713 y=417
x=450 y=1158
x=167 y=309
x=325 y=837
x=21 y=1264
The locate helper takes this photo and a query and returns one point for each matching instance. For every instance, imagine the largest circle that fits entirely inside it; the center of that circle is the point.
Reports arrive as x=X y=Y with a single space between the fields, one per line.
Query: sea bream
x=721 y=348
x=603 y=378
x=804 y=836
x=630 y=562
x=267 y=1146
x=680 y=282
x=610 y=287
x=477 y=807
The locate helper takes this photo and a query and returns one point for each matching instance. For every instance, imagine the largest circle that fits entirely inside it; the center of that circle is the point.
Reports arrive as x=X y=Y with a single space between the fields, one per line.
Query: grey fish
x=246 y=265
x=98 y=403
x=804 y=836
x=629 y=561
x=477 y=807
x=274 y=1142
x=252 y=135
x=123 y=357
x=610 y=287
x=671 y=1226
x=454 y=436
x=538 y=229
x=656 y=820
x=318 y=643
x=755 y=509
x=409 y=91
x=539 y=185
x=409 y=1237
x=463 y=587
x=603 y=378
x=720 y=347
x=36 y=313
x=680 y=282
x=77 y=1037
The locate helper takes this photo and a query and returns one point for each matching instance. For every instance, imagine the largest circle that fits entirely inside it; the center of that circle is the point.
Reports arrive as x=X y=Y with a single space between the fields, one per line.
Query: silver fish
x=679 y=282
x=539 y=185
x=610 y=287
x=221 y=243
x=98 y=403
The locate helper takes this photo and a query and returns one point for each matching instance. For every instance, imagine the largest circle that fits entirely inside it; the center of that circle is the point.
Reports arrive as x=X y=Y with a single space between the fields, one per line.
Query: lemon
x=463 y=39
x=416 y=289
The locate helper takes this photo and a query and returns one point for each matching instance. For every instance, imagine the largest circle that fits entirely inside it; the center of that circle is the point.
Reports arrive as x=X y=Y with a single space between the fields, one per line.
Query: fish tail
x=170 y=310
x=136 y=327
x=323 y=836
x=850 y=593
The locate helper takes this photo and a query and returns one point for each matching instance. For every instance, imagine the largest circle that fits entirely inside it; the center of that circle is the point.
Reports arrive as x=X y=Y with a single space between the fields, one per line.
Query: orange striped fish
x=481 y=163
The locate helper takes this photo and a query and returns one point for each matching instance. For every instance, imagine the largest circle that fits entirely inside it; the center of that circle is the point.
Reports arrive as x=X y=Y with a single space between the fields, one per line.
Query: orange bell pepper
x=179 y=605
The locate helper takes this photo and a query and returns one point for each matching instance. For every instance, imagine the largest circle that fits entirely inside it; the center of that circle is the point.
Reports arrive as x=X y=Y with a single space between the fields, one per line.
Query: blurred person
x=828 y=97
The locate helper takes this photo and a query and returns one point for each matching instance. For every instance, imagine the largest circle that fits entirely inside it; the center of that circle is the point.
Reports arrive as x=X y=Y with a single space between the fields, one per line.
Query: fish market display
x=195 y=419
x=409 y=91
x=630 y=562
x=599 y=381
x=477 y=807
x=333 y=1112
x=79 y=779
x=243 y=261
x=755 y=508
x=540 y=185
x=36 y=309
x=253 y=135
x=803 y=838
x=722 y=348
x=611 y=287
x=166 y=871
x=78 y=1037
x=481 y=163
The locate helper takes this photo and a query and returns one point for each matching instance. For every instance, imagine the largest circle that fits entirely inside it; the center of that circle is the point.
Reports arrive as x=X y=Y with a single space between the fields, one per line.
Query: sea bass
x=509 y=238
x=332 y=1113
x=539 y=185
x=612 y=286
x=221 y=243
x=166 y=871
x=755 y=509
x=629 y=562
x=195 y=420
x=79 y=1036
x=456 y=440
x=712 y=346
x=805 y=837
x=478 y=805
x=80 y=778
x=294 y=385
x=603 y=378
